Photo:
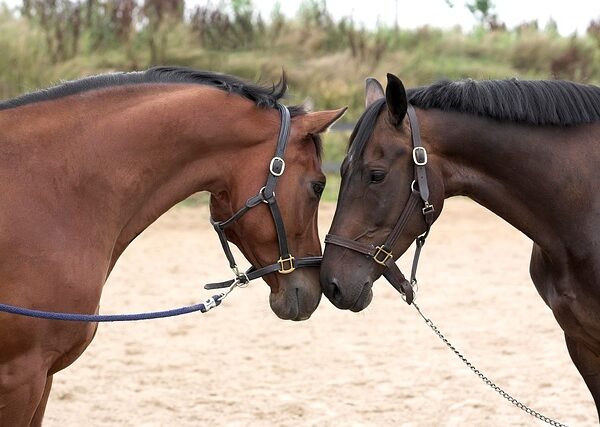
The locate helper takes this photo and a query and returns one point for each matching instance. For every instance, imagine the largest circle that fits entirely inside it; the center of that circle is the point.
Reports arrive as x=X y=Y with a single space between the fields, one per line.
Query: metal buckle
x=281 y=166
x=428 y=209
x=387 y=255
x=423 y=152
x=282 y=264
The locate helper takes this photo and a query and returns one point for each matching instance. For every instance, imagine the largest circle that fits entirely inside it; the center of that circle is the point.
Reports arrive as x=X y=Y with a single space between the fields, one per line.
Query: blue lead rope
x=203 y=307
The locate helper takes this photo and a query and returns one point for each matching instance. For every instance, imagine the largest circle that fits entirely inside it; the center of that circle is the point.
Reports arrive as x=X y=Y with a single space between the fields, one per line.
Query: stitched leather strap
x=252 y=273
x=420 y=172
x=363 y=248
x=279 y=227
x=408 y=210
x=399 y=282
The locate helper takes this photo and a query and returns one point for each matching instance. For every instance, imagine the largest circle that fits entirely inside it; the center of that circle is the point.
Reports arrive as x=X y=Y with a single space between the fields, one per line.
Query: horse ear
x=395 y=96
x=373 y=91
x=319 y=121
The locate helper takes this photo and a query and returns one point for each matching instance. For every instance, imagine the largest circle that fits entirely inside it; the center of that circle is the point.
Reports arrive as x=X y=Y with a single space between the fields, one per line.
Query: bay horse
x=87 y=165
x=529 y=151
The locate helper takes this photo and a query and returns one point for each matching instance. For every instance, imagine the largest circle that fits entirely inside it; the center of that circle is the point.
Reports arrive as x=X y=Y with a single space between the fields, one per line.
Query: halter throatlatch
x=419 y=192
x=286 y=262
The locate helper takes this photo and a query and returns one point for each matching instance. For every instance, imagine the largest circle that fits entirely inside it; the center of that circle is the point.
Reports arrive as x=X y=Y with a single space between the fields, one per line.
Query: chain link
x=485 y=379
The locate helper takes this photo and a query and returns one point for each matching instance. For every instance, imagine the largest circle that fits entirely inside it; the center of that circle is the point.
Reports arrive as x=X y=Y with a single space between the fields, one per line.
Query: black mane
x=535 y=102
x=263 y=96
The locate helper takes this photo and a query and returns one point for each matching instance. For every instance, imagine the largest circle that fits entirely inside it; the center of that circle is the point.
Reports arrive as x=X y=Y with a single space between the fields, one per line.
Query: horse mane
x=535 y=102
x=265 y=96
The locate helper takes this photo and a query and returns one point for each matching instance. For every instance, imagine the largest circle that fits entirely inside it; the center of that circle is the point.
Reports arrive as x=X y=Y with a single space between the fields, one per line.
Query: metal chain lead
x=485 y=379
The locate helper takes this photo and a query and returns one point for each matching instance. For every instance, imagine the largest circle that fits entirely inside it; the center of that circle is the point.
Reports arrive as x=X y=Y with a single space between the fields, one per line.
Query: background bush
x=45 y=41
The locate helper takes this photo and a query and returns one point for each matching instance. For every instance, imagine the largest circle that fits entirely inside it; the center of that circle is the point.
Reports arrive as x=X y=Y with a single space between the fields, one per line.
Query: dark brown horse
x=86 y=166
x=527 y=150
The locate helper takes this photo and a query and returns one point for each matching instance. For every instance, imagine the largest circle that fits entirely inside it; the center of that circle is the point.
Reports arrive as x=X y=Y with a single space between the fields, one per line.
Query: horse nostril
x=336 y=293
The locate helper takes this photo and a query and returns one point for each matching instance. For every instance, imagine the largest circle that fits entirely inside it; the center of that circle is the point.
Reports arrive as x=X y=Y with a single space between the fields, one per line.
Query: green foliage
x=23 y=50
x=325 y=59
x=234 y=28
x=481 y=9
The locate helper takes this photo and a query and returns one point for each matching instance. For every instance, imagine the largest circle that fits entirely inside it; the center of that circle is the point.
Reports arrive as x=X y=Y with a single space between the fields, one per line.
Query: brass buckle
x=387 y=255
x=282 y=264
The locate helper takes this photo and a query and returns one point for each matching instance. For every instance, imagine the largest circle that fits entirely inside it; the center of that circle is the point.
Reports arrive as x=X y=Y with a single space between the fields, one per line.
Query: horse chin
x=364 y=299
x=296 y=298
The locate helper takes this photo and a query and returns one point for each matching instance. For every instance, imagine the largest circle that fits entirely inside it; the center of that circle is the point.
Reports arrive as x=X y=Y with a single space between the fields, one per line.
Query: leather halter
x=286 y=262
x=419 y=191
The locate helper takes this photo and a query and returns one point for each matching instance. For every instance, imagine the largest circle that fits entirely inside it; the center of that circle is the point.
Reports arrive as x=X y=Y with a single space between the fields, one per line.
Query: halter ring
x=412 y=186
x=262 y=193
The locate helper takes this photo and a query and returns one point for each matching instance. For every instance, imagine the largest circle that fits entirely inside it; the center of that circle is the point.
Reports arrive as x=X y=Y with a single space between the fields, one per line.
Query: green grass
x=326 y=61
x=319 y=61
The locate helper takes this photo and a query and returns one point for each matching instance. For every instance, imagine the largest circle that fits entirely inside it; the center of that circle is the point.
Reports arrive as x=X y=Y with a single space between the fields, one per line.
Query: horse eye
x=318 y=188
x=377 y=176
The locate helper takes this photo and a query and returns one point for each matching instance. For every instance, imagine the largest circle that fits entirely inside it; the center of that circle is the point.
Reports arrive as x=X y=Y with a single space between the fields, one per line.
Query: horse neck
x=134 y=152
x=525 y=174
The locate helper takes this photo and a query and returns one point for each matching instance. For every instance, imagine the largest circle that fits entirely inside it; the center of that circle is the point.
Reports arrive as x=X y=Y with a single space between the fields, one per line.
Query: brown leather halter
x=382 y=254
x=286 y=262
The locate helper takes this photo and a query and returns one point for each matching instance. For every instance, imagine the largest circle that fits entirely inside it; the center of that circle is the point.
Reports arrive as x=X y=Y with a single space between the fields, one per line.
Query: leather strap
x=420 y=172
x=419 y=242
x=408 y=210
x=399 y=282
x=279 y=227
x=282 y=140
x=253 y=273
x=363 y=248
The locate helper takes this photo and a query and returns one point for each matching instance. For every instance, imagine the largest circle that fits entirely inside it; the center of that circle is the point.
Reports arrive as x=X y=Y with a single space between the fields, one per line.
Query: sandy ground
x=239 y=365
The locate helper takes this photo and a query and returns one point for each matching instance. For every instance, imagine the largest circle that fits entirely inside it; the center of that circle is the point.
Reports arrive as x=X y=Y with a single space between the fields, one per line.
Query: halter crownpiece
x=286 y=263
x=419 y=191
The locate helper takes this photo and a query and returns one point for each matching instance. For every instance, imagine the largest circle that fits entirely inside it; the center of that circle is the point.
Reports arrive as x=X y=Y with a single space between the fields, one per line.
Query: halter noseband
x=286 y=262
x=419 y=191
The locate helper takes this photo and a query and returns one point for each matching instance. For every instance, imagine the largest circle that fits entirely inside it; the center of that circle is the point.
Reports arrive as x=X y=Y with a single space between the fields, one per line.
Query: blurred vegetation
x=45 y=41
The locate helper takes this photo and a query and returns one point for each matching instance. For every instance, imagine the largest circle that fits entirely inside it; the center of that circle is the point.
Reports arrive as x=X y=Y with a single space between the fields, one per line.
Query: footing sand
x=239 y=365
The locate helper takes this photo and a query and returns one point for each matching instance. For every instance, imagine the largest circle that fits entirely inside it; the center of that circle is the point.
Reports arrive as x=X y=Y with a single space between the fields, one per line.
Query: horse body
x=541 y=178
x=83 y=174
x=535 y=178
